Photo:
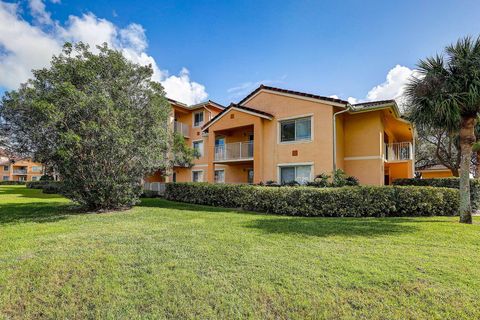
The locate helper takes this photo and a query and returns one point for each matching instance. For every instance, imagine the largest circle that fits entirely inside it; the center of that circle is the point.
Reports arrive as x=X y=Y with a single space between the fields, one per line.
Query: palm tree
x=445 y=93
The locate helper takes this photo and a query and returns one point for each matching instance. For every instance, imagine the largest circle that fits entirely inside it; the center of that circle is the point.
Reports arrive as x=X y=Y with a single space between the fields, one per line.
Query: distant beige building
x=19 y=169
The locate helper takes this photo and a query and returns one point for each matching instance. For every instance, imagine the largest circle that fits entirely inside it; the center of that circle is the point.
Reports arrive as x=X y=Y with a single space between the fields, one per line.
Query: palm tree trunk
x=477 y=165
x=467 y=139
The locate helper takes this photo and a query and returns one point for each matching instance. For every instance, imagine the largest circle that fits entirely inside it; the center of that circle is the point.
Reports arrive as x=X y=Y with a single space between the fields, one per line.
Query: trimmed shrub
x=37 y=184
x=54 y=187
x=445 y=183
x=12 y=183
x=360 y=201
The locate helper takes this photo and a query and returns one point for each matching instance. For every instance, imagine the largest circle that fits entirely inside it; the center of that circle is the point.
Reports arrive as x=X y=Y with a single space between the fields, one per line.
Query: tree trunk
x=477 y=165
x=467 y=139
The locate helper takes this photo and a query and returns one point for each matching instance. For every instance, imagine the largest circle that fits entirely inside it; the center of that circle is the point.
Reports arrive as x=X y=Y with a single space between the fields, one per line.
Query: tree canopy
x=97 y=118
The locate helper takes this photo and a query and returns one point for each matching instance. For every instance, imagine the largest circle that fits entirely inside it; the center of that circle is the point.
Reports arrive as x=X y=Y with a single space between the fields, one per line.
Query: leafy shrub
x=149 y=194
x=338 y=179
x=37 y=184
x=445 y=183
x=12 y=183
x=363 y=201
x=46 y=177
x=54 y=187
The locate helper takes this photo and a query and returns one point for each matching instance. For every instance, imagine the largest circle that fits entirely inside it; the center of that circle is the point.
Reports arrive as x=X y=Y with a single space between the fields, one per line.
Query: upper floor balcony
x=398 y=151
x=20 y=171
x=182 y=128
x=236 y=151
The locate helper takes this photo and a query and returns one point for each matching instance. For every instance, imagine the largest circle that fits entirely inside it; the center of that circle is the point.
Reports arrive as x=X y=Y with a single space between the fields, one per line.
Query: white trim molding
x=295 y=164
x=240 y=110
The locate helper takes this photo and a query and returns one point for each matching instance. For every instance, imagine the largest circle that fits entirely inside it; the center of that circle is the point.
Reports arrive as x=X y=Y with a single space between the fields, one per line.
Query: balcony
x=20 y=171
x=398 y=151
x=237 y=151
x=181 y=128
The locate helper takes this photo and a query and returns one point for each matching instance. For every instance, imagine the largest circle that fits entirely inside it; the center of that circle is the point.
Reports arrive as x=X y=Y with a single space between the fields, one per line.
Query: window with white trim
x=197 y=176
x=198 y=119
x=198 y=146
x=36 y=168
x=35 y=178
x=6 y=178
x=301 y=174
x=220 y=176
x=296 y=129
x=6 y=168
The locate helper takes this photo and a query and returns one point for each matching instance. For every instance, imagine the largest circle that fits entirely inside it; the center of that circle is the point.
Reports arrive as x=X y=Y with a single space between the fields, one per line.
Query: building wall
x=436 y=174
x=363 y=144
x=318 y=151
x=19 y=165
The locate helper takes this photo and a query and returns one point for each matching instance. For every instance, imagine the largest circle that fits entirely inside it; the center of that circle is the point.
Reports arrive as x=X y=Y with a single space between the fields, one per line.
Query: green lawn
x=171 y=260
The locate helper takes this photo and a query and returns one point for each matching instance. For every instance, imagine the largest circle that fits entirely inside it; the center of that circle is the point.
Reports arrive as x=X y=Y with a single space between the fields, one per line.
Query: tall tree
x=97 y=118
x=446 y=94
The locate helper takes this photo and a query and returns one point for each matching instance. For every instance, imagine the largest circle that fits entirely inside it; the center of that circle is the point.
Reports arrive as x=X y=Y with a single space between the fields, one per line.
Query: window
x=250 y=176
x=5 y=178
x=219 y=176
x=6 y=168
x=300 y=174
x=36 y=168
x=198 y=119
x=197 y=176
x=198 y=146
x=35 y=178
x=296 y=129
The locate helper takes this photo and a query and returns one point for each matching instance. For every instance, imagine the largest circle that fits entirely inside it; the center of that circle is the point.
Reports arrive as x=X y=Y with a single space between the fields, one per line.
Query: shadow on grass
x=309 y=226
x=325 y=227
x=33 y=210
x=39 y=212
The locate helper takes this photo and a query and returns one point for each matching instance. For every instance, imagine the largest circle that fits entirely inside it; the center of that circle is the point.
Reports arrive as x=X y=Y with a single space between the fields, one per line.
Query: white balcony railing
x=19 y=171
x=234 y=151
x=181 y=128
x=398 y=151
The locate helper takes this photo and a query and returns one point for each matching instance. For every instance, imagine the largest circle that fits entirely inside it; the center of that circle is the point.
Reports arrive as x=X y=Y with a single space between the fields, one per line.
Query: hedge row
x=363 y=201
x=50 y=187
x=445 y=183
x=12 y=183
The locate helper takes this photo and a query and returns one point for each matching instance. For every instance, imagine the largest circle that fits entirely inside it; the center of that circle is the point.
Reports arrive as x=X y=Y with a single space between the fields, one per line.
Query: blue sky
x=343 y=48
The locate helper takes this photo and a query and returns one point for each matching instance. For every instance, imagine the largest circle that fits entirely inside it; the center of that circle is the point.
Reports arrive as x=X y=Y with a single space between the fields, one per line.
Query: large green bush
x=362 y=201
x=445 y=183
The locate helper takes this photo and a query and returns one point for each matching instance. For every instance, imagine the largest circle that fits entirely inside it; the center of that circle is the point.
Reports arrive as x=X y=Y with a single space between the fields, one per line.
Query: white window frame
x=296 y=164
x=223 y=175
x=6 y=166
x=202 y=176
x=35 y=178
x=279 y=129
x=7 y=178
x=193 y=119
x=202 y=149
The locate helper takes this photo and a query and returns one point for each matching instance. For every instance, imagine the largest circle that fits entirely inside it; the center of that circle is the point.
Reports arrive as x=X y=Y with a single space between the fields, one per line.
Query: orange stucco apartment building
x=16 y=169
x=282 y=135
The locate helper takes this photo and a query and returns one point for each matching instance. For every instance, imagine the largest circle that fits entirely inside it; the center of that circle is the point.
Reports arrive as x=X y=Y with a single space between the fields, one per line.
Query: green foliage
x=183 y=155
x=338 y=179
x=97 y=119
x=12 y=183
x=54 y=187
x=361 y=201
x=445 y=183
x=37 y=184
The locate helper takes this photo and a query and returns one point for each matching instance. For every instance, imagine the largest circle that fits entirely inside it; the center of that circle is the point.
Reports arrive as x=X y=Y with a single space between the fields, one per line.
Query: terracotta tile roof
x=237 y=106
x=298 y=93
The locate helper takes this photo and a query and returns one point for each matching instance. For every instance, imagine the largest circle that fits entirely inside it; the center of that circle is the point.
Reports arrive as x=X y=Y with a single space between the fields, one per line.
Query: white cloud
x=394 y=85
x=392 y=88
x=37 y=8
x=181 y=88
x=245 y=88
x=334 y=96
x=24 y=46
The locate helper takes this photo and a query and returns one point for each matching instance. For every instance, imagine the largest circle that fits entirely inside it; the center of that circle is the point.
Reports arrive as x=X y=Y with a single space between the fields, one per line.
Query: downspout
x=349 y=108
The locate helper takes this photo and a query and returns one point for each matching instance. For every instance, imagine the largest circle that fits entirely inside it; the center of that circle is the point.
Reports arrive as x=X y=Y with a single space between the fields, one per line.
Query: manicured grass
x=169 y=260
